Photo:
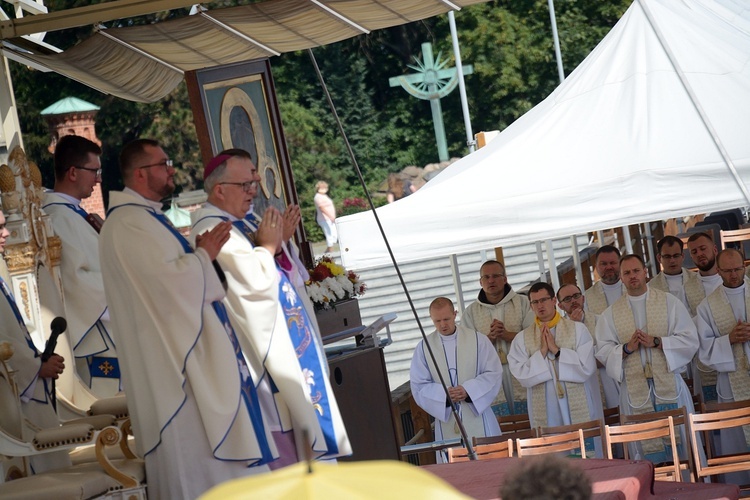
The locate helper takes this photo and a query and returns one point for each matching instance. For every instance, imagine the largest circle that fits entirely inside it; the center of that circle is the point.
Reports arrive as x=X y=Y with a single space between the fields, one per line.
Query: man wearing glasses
x=724 y=333
x=500 y=313
x=77 y=172
x=274 y=329
x=190 y=392
x=571 y=301
x=673 y=278
x=554 y=360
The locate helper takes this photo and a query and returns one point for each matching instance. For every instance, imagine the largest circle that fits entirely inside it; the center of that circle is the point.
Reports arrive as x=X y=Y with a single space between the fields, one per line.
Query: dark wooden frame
x=235 y=76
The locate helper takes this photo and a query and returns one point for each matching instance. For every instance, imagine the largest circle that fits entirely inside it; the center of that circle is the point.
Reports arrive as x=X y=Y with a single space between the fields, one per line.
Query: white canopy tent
x=651 y=125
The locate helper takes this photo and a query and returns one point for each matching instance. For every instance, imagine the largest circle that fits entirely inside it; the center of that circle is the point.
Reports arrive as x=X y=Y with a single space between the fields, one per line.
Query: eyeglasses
x=541 y=301
x=97 y=171
x=733 y=270
x=167 y=164
x=569 y=298
x=672 y=257
x=246 y=186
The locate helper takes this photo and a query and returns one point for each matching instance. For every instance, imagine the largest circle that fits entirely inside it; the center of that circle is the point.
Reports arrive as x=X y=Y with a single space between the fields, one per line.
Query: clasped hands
x=457 y=393
x=640 y=338
x=498 y=331
x=548 y=344
x=740 y=333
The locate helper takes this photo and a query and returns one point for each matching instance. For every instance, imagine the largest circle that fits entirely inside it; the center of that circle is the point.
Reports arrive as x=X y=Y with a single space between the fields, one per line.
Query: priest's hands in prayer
x=53 y=367
x=212 y=241
x=292 y=217
x=548 y=344
x=458 y=393
x=639 y=338
x=271 y=230
x=740 y=333
x=498 y=331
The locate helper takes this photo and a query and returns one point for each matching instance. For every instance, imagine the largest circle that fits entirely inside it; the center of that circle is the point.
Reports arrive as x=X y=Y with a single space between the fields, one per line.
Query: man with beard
x=645 y=339
x=680 y=282
x=724 y=333
x=554 y=360
x=273 y=327
x=467 y=362
x=703 y=251
x=608 y=289
x=500 y=313
x=571 y=301
x=190 y=394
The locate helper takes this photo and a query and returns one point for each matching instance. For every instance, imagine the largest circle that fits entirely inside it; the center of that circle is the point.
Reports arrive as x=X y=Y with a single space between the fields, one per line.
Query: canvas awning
x=144 y=63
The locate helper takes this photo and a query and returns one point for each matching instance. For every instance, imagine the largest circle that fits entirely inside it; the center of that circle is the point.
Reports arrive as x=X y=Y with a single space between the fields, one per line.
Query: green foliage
x=509 y=43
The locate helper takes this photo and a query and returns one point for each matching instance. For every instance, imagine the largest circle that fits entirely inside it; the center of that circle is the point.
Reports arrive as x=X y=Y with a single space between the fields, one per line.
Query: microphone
x=56 y=328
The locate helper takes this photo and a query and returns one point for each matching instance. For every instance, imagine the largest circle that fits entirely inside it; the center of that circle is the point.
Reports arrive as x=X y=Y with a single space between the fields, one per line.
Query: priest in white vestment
x=32 y=376
x=470 y=368
x=724 y=334
x=554 y=360
x=645 y=339
x=77 y=171
x=500 y=313
x=191 y=394
x=255 y=287
x=609 y=288
x=572 y=302
x=703 y=251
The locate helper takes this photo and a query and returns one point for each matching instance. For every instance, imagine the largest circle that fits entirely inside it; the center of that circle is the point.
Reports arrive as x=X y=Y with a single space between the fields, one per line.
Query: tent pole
x=552 y=265
x=694 y=99
x=472 y=455
x=577 y=260
x=650 y=249
x=540 y=260
x=457 y=282
x=470 y=141
x=626 y=237
x=556 y=40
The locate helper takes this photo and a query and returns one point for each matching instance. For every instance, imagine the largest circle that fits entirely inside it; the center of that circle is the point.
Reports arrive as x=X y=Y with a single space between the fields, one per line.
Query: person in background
x=325 y=214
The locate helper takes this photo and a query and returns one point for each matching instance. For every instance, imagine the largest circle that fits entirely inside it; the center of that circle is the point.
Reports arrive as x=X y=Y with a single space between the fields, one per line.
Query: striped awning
x=144 y=63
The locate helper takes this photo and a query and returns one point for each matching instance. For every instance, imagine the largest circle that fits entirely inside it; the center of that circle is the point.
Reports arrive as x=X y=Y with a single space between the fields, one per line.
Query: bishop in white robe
x=190 y=393
x=257 y=290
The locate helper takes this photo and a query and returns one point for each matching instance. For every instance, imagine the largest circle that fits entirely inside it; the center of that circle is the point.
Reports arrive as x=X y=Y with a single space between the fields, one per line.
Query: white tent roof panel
x=619 y=142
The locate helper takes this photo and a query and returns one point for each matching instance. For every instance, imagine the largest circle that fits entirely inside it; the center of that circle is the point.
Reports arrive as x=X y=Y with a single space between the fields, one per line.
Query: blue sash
x=17 y=313
x=247 y=387
x=253 y=220
x=301 y=333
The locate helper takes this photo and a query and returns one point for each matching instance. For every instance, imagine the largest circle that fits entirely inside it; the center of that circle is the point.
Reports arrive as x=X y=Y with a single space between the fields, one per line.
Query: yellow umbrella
x=345 y=480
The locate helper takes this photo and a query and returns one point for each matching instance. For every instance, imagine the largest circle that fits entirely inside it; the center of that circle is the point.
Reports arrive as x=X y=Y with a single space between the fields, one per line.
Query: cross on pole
x=432 y=81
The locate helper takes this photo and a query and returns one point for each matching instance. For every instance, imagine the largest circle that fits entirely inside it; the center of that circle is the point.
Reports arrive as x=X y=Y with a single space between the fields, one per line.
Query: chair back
x=718 y=420
x=739 y=236
x=634 y=432
x=679 y=417
x=499 y=449
x=612 y=416
x=513 y=423
x=569 y=441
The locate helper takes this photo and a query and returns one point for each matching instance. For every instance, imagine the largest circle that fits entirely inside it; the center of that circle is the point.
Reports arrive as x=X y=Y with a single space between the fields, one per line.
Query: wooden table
x=610 y=479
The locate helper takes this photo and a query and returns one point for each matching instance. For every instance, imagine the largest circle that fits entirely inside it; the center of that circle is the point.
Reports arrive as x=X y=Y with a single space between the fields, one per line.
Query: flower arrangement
x=330 y=283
